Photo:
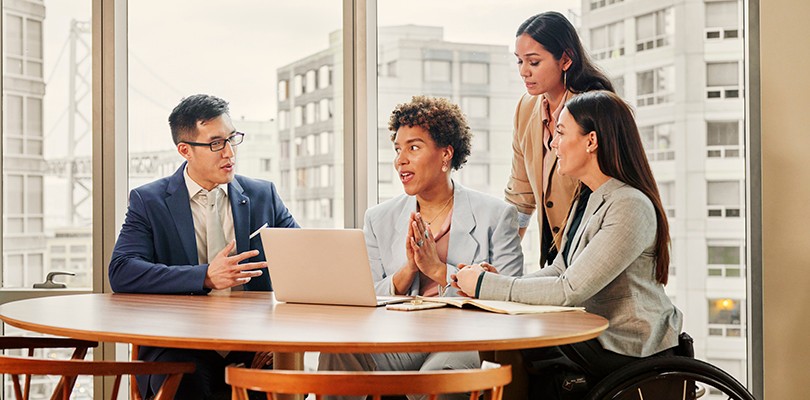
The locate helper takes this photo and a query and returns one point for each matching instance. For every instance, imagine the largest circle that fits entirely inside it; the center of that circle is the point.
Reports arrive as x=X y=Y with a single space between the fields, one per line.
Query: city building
x=679 y=63
x=23 y=159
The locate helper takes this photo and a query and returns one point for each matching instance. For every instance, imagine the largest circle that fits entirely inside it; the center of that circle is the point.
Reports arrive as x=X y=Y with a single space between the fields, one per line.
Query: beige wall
x=785 y=77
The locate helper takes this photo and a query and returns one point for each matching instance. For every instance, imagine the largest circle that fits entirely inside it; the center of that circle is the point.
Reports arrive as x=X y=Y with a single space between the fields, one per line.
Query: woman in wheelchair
x=614 y=254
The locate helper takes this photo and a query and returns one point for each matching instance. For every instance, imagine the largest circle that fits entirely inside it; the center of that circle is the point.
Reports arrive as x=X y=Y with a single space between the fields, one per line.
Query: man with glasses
x=191 y=233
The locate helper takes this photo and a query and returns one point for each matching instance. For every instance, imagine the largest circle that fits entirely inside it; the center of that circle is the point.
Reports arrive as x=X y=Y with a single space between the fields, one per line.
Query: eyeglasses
x=219 y=144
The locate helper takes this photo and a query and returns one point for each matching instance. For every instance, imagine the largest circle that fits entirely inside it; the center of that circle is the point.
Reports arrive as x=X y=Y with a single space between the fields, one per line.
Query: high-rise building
x=680 y=64
x=310 y=128
x=23 y=159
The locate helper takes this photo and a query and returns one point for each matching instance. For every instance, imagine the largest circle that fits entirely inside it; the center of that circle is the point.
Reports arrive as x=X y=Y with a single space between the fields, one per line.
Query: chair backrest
x=70 y=369
x=376 y=384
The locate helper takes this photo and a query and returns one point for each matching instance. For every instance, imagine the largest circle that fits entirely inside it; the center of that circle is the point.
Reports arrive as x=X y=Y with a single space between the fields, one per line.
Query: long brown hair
x=621 y=155
x=556 y=34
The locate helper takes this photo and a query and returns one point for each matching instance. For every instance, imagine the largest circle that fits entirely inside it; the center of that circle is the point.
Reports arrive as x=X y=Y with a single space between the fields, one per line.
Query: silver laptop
x=321 y=266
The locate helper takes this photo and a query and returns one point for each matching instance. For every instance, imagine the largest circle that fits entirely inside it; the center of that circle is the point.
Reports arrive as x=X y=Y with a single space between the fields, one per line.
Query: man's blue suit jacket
x=156 y=251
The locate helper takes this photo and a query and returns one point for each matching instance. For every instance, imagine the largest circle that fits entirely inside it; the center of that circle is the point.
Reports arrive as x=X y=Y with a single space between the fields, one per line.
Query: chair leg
x=169 y=388
x=17 y=389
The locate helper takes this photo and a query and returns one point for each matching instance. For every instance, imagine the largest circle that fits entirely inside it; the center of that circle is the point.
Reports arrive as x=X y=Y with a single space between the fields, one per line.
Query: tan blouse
x=534 y=178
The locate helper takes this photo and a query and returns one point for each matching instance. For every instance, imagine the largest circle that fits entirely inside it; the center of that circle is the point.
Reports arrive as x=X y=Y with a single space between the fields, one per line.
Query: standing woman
x=554 y=68
x=614 y=258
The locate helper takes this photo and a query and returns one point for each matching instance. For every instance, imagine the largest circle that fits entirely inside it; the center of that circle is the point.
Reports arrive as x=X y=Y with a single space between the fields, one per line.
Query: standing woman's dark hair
x=621 y=155
x=552 y=30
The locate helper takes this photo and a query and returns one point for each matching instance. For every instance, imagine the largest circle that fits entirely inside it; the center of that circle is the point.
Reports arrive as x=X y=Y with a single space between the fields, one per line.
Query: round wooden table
x=254 y=321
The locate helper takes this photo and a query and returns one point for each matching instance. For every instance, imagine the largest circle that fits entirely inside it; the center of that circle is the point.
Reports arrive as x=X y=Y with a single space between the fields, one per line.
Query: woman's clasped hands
x=420 y=248
x=466 y=279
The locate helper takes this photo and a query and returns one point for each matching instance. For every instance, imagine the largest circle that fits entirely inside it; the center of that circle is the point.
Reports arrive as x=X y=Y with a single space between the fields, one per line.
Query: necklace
x=447 y=203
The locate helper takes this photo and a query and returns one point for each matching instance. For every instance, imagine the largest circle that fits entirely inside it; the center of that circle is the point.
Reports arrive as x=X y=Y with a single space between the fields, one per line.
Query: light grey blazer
x=482 y=228
x=611 y=272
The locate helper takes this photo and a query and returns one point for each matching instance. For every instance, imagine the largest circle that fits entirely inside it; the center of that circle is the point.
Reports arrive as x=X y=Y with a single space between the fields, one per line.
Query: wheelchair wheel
x=668 y=378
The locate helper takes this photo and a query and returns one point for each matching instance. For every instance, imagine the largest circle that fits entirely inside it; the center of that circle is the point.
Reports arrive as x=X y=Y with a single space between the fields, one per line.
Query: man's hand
x=225 y=271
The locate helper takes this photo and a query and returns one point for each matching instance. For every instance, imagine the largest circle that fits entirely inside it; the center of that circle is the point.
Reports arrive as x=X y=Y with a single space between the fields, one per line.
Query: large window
x=607 y=41
x=724 y=139
x=722 y=80
x=655 y=86
x=657 y=141
x=722 y=19
x=724 y=198
x=46 y=154
x=292 y=82
x=654 y=30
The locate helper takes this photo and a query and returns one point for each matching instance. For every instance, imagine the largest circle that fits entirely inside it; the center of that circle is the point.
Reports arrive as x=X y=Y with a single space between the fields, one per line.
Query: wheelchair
x=669 y=378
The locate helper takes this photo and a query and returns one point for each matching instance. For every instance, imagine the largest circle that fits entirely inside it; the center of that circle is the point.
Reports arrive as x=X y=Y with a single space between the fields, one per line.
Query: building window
x=391 y=68
x=603 y=3
x=311 y=83
x=285 y=180
x=298 y=82
x=655 y=86
x=312 y=142
x=475 y=106
x=324 y=76
x=23 y=134
x=725 y=317
x=723 y=139
x=325 y=139
x=301 y=177
x=657 y=141
x=385 y=173
x=475 y=73
x=666 y=190
x=326 y=176
x=310 y=113
x=324 y=110
x=300 y=147
x=298 y=115
x=283 y=120
x=474 y=175
x=722 y=20
x=23 y=46
x=724 y=198
x=722 y=80
x=654 y=30
x=618 y=85
x=285 y=149
x=23 y=205
x=437 y=71
x=480 y=141
x=725 y=260
x=607 y=41
x=266 y=164
x=283 y=90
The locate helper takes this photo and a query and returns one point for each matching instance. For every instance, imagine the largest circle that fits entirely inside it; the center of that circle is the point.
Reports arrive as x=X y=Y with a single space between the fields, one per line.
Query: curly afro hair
x=441 y=118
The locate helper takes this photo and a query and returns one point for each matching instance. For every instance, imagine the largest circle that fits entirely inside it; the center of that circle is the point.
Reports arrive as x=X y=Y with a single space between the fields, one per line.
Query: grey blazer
x=482 y=228
x=611 y=272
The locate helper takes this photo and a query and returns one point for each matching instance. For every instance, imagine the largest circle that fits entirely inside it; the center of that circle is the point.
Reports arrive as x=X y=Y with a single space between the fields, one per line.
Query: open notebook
x=321 y=266
x=502 y=307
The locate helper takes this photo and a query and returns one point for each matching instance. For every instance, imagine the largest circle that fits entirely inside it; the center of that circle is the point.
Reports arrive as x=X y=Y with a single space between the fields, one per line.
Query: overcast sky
x=232 y=49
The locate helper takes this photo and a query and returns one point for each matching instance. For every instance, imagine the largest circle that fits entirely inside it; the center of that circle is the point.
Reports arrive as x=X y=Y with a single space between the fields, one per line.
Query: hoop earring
x=444 y=166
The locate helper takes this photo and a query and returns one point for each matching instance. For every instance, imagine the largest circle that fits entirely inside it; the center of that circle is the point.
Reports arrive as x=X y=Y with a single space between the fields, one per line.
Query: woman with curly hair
x=416 y=241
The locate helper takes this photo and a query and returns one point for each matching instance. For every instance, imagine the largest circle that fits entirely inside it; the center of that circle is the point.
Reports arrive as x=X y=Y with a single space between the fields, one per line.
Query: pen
x=252 y=235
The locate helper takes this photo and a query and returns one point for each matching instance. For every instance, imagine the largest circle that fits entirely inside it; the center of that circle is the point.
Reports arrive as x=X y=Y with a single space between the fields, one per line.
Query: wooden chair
x=69 y=370
x=376 y=384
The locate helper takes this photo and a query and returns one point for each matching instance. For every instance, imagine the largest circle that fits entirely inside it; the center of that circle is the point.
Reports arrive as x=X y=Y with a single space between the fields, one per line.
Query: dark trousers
x=554 y=371
x=208 y=380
